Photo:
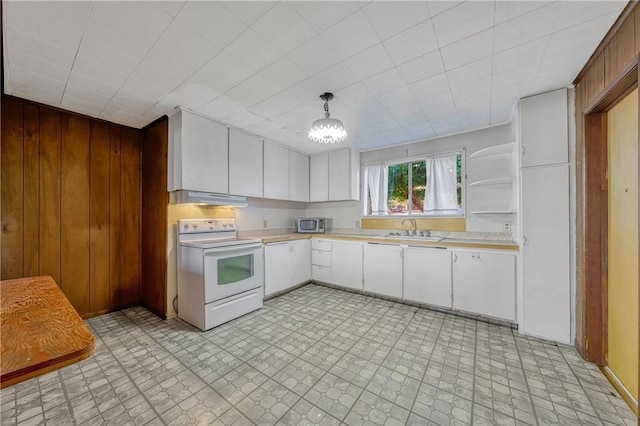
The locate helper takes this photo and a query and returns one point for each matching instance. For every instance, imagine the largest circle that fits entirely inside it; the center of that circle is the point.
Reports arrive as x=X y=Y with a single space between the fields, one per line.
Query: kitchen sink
x=413 y=237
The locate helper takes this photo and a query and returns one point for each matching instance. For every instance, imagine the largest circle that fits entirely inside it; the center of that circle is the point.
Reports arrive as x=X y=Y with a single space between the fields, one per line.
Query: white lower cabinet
x=286 y=264
x=383 y=269
x=484 y=283
x=346 y=264
x=321 y=260
x=427 y=275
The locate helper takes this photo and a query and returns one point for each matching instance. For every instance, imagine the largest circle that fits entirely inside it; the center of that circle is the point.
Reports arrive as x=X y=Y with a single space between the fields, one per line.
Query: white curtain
x=378 y=184
x=442 y=187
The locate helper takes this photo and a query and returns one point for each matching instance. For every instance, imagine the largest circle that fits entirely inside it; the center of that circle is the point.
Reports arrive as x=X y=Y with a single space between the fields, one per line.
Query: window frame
x=409 y=160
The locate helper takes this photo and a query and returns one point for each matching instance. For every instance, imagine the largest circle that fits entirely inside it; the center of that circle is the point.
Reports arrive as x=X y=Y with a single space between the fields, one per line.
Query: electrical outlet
x=264 y=223
x=506 y=226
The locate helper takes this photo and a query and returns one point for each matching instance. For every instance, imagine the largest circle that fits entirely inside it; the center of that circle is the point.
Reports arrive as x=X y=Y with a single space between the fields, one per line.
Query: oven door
x=232 y=270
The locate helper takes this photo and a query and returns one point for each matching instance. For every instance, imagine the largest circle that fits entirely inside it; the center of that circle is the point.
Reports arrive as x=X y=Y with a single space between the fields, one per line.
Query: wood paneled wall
x=606 y=77
x=71 y=204
x=155 y=200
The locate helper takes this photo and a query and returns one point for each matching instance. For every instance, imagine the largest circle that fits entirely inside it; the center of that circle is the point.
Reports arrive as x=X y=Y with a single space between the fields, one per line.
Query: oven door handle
x=230 y=249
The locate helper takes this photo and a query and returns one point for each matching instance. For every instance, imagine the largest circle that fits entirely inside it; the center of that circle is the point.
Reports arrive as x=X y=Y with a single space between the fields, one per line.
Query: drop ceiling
x=401 y=71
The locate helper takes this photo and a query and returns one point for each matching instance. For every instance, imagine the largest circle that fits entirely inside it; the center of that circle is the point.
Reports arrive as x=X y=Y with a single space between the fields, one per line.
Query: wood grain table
x=39 y=330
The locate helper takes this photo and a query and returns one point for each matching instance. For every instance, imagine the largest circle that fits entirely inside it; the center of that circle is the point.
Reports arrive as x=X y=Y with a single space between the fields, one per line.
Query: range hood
x=196 y=197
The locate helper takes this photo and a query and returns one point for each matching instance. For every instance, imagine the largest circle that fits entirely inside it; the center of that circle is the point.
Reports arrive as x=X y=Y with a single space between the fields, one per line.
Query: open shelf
x=494 y=181
x=506 y=148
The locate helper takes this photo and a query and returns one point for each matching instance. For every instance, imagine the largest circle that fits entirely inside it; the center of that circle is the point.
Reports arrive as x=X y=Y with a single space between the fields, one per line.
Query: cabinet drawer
x=321 y=258
x=324 y=245
x=321 y=273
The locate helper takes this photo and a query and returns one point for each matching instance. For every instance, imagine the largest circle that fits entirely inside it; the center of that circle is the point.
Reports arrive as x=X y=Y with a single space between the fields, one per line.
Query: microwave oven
x=310 y=225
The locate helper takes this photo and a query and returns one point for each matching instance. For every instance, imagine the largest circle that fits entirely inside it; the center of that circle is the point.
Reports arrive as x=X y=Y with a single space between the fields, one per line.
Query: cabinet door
x=544 y=129
x=300 y=261
x=340 y=174
x=298 y=176
x=383 y=269
x=319 y=177
x=276 y=171
x=277 y=267
x=346 y=264
x=198 y=154
x=245 y=164
x=427 y=275
x=546 y=292
x=485 y=283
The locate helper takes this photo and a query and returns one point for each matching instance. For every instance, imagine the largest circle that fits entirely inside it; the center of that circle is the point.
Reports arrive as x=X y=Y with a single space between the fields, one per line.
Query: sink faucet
x=413 y=222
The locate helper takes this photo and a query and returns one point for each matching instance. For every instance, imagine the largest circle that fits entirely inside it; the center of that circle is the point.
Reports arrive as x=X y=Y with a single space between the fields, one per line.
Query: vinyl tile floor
x=318 y=356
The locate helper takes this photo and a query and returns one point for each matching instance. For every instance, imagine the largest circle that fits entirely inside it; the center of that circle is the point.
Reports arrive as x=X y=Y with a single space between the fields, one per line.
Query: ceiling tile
x=420 y=68
x=284 y=28
x=92 y=85
x=189 y=52
x=249 y=11
x=18 y=59
x=150 y=81
x=468 y=50
x=37 y=93
x=86 y=95
x=428 y=86
x=577 y=36
x=221 y=108
x=36 y=80
x=506 y=10
x=81 y=106
x=222 y=73
x=212 y=21
x=171 y=7
x=470 y=72
x=514 y=76
x=391 y=18
x=320 y=16
x=412 y=43
x=409 y=108
x=565 y=61
x=353 y=94
x=384 y=82
x=574 y=13
x=471 y=89
x=460 y=22
x=284 y=73
x=438 y=7
x=437 y=101
x=104 y=54
x=524 y=28
x=333 y=79
x=101 y=72
x=313 y=56
x=253 y=90
x=253 y=50
x=501 y=112
x=278 y=104
x=118 y=24
x=190 y=95
x=32 y=18
x=136 y=109
x=27 y=44
x=350 y=36
x=370 y=62
x=395 y=97
x=527 y=53
x=243 y=119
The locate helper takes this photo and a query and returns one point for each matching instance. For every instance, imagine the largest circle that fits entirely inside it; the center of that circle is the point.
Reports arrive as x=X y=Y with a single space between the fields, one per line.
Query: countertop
x=447 y=242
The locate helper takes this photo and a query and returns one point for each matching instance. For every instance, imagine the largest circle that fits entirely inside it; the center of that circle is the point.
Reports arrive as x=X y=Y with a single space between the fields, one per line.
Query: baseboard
x=627 y=396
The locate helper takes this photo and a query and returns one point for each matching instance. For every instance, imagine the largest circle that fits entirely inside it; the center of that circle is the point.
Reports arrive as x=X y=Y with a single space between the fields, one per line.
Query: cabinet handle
x=525 y=242
x=523 y=149
x=455 y=257
x=476 y=257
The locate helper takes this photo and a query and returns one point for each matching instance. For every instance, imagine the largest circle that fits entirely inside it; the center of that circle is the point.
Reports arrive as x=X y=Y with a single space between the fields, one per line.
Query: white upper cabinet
x=544 y=129
x=298 y=177
x=198 y=154
x=276 y=171
x=319 y=177
x=335 y=176
x=344 y=171
x=245 y=164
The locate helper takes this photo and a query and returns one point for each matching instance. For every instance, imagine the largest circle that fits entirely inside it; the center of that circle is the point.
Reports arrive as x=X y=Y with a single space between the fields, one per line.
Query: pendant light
x=327 y=129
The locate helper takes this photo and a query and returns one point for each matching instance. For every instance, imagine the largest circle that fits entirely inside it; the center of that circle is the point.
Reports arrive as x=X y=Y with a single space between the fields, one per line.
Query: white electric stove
x=220 y=276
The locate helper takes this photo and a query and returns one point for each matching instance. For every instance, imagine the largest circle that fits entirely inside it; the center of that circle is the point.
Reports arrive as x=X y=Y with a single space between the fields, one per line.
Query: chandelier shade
x=327 y=129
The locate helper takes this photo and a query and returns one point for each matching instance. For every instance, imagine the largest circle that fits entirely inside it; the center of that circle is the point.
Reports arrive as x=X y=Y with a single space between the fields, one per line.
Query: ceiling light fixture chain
x=327 y=129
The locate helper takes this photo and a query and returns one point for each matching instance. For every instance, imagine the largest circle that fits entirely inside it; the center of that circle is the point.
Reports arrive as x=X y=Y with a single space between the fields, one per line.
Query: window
x=424 y=186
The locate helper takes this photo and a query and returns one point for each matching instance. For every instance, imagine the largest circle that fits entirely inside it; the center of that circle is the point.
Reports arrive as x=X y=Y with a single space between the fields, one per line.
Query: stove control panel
x=192 y=226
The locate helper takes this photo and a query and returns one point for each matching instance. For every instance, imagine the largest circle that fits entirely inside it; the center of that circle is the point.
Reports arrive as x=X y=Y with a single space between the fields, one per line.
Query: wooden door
x=622 y=140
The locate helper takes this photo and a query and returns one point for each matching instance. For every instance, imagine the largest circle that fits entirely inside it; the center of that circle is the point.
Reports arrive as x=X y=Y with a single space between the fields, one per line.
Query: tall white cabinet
x=545 y=261
x=245 y=164
x=276 y=171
